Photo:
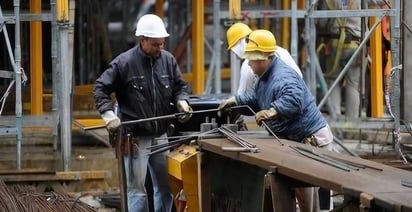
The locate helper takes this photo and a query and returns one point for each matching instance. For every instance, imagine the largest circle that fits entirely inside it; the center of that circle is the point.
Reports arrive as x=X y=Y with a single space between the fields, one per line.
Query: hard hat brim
x=149 y=35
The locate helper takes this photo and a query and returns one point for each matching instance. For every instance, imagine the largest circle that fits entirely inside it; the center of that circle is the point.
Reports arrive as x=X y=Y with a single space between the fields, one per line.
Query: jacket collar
x=142 y=53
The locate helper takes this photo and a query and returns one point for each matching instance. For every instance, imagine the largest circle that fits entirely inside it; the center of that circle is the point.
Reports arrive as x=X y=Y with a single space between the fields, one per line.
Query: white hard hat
x=151 y=26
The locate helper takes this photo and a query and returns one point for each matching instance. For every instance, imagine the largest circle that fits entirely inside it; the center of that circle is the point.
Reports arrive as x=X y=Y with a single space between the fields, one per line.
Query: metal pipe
x=17 y=51
x=234 y=73
x=8 y=44
x=55 y=77
x=395 y=42
x=217 y=46
x=294 y=32
x=156 y=118
x=65 y=83
x=15 y=62
x=65 y=111
x=310 y=38
x=210 y=70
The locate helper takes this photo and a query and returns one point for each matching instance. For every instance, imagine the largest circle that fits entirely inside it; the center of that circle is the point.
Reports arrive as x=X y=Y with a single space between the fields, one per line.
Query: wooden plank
x=366 y=200
x=100 y=134
x=82 y=175
x=26 y=172
x=84 y=89
x=57 y=176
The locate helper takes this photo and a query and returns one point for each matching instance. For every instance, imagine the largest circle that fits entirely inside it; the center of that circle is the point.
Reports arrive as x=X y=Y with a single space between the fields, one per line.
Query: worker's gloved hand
x=112 y=121
x=265 y=115
x=183 y=107
x=227 y=103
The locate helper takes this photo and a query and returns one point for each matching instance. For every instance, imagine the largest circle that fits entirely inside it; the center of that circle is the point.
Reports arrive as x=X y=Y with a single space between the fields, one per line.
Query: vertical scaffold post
x=65 y=78
x=17 y=70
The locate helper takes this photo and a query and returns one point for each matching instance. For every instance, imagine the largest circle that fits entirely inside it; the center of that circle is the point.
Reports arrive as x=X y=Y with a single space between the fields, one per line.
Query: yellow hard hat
x=236 y=32
x=261 y=40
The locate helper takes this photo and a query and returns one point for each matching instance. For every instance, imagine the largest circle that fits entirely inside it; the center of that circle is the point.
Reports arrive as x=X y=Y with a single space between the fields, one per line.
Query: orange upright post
x=36 y=61
x=285 y=32
x=198 y=68
x=376 y=71
x=159 y=8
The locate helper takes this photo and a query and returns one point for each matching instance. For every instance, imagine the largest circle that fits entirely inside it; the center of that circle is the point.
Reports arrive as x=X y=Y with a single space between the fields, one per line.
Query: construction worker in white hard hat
x=146 y=80
x=236 y=40
x=283 y=101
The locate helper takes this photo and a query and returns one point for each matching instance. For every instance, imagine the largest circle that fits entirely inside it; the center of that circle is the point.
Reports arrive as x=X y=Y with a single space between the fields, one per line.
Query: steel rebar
x=322 y=160
x=263 y=122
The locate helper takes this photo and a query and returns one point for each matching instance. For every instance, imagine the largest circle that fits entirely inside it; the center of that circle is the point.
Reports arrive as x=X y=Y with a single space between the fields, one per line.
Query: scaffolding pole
x=55 y=75
x=16 y=64
x=396 y=92
x=217 y=47
x=17 y=69
x=65 y=83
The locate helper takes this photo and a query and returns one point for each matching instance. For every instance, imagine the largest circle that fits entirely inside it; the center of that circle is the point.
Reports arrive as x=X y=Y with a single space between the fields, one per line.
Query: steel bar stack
x=26 y=198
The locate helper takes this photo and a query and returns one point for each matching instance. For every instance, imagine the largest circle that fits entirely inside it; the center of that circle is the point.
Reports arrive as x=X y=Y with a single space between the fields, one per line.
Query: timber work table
x=376 y=185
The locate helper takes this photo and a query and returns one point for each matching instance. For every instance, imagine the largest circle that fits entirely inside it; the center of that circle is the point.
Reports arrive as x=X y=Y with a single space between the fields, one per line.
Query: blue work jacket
x=283 y=89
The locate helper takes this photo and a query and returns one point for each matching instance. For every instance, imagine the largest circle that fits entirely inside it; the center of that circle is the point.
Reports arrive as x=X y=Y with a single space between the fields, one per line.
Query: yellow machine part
x=183 y=169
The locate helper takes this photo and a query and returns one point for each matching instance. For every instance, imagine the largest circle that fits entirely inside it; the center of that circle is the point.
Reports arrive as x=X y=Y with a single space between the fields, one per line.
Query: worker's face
x=259 y=67
x=152 y=46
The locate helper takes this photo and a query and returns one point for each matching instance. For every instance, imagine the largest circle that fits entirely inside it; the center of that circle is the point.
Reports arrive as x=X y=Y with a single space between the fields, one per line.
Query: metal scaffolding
x=313 y=72
x=62 y=78
x=60 y=119
x=16 y=75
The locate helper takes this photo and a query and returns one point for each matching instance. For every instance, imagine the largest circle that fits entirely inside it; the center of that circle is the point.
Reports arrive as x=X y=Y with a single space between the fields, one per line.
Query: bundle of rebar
x=246 y=146
x=24 y=198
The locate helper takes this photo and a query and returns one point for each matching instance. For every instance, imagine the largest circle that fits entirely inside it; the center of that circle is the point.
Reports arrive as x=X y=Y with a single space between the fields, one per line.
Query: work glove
x=265 y=115
x=112 y=121
x=227 y=103
x=183 y=107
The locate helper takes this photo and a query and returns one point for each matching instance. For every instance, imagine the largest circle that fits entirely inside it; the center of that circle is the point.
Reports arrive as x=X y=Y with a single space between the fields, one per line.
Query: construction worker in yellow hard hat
x=236 y=39
x=283 y=101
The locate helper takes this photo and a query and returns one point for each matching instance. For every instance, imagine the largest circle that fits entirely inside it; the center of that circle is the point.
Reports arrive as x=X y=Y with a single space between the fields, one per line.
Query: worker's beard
x=154 y=54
